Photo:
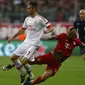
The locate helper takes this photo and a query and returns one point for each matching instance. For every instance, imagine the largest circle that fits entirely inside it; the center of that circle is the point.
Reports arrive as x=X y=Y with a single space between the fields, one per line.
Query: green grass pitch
x=72 y=72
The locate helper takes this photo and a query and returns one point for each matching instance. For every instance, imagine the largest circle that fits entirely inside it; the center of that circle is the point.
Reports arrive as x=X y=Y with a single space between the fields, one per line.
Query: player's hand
x=45 y=31
x=10 y=39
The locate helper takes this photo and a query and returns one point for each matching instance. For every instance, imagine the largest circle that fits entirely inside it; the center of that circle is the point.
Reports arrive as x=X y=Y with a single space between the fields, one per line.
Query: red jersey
x=64 y=46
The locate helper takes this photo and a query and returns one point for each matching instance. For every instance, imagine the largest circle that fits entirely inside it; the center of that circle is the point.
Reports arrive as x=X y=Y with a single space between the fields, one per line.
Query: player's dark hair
x=72 y=28
x=33 y=4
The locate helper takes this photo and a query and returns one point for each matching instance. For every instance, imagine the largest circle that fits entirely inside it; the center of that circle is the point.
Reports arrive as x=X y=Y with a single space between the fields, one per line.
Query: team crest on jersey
x=67 y=45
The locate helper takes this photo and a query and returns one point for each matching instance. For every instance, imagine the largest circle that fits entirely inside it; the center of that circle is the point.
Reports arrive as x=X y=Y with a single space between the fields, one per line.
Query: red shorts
x=48 y=59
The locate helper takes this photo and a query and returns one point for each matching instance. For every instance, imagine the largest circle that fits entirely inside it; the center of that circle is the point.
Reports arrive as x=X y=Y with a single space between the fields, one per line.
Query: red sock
x=38 y=80
x=19 y=67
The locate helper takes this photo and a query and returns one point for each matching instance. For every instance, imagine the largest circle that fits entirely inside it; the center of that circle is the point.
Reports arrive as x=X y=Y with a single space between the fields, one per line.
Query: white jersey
x=34 y=26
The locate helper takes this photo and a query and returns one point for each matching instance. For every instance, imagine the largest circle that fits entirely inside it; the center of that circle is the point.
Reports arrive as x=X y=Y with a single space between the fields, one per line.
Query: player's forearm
x=48 y=31
x=18 y=33
x=48 y=36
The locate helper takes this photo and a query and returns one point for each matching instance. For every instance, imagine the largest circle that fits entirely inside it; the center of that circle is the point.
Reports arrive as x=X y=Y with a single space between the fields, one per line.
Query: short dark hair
x=33 y=4
x=72 y=28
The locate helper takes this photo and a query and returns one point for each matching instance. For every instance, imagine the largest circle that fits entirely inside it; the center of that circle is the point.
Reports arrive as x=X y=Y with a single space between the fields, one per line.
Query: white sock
x=28 y=68
x=18 y=65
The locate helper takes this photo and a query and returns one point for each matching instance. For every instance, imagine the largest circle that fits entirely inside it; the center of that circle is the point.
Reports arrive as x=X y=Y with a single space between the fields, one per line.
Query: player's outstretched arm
x=17 y=34
x=48 y=36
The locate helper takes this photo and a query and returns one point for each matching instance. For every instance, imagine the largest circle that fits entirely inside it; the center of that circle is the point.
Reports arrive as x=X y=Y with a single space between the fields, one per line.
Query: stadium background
x=61 y=14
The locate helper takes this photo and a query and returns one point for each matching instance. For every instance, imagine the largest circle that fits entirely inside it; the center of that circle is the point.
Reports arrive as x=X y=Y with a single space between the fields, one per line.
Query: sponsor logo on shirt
x=31 y=28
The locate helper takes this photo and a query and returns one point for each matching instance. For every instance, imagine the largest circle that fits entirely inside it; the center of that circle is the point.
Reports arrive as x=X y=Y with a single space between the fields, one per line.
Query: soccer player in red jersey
x=63 y=50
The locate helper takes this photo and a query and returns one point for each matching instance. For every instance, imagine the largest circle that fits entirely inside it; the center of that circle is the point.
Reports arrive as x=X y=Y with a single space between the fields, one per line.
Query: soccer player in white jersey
x=34 y=24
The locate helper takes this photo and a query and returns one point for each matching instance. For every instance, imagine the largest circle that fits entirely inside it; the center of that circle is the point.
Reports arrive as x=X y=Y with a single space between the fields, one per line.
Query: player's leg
x=8 y=67
x=42 y=78
x=29 y=70
x=20 y=51
x=27 y=67
x=28 y=58
x=44 y=59
x=19 y=67
x=50 y=71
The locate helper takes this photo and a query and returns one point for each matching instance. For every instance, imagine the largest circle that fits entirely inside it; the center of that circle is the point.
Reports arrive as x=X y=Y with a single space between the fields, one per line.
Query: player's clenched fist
x=10 y=39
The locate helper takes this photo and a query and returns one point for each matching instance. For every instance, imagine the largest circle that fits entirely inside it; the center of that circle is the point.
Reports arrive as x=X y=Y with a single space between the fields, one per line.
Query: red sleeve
x=78 y=42
x=49 y=26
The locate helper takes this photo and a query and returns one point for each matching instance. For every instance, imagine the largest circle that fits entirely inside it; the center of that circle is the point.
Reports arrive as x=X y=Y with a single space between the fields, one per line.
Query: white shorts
x=26 y=50
x=30 y=53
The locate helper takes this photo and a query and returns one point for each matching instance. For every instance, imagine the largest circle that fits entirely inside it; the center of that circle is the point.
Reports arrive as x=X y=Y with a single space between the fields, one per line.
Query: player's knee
x=14 y=57
x=24 y=61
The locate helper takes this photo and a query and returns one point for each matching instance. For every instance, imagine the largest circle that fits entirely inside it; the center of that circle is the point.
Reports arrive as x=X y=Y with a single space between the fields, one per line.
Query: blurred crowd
x=14 y=11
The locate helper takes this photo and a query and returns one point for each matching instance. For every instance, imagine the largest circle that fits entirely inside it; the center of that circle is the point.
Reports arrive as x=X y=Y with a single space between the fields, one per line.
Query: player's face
x=30 y=10
x=82 y=14
x=71 y=34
